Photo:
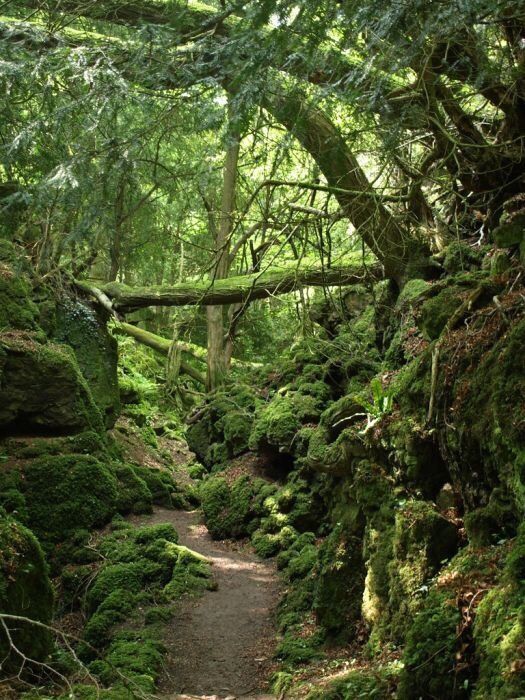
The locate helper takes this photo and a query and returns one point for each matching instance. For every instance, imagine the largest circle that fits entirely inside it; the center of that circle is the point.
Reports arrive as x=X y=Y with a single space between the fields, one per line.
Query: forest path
x=220 y=644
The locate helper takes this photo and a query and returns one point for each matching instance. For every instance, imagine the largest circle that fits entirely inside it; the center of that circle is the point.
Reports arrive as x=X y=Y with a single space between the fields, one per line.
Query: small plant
x=380 y=404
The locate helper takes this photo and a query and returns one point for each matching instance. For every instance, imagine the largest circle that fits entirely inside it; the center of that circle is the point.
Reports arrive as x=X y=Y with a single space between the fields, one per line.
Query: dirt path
x=221 y=643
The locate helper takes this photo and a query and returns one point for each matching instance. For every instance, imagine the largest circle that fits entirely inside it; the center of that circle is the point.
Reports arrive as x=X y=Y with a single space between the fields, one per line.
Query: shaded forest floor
x=221 y=643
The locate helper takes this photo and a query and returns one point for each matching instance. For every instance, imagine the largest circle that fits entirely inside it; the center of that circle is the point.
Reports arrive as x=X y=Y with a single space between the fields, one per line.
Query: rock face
x=83 y=328
x=58 y=363
x=58 y=394
x=42 y=388
x=25 y=590
x=416 y=542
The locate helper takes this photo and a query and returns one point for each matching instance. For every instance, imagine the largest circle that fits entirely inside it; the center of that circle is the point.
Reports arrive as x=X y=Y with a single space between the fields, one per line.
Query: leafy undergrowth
x=124 y=599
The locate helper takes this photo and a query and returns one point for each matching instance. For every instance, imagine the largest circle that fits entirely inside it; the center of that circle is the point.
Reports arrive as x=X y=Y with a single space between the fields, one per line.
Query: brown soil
x=221 y=643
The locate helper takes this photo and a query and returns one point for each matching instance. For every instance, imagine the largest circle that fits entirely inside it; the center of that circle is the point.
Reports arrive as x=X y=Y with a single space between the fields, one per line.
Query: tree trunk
x=239 y=289
x=217 y=365
x=161 y=345
x=116 y=236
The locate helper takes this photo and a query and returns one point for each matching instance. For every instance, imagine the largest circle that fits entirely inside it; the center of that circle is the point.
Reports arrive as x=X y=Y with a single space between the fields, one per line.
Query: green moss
x=340 y=581
x=137 y=656
x=88 y=442
x=499 y=631
x=158 y=614
x=25 y=590
x=233 y=510
x=191 y=575
x=83 y=328
x=17 y=310
x=199 y=439
x=379 y=683
x=65 y=494
x=422 y=541
x=510 y=233
x=295 y=649
x=197 y=471
x=224 y=426
x=142 y=566
x=492 y=522
x=217 y=456
x=159 y=483
x=460 y=257
x=134 y=495
x=41 y=387
x=429 y=656
x=437 y=310
x=301 y=541
x=128 y=577
x=236 y=427
x=278 y=422
x=269 y=544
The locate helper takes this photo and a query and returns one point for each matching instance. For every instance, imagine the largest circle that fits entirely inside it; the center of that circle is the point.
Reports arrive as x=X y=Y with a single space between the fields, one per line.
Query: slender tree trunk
x=116 y=238
x=217 y=364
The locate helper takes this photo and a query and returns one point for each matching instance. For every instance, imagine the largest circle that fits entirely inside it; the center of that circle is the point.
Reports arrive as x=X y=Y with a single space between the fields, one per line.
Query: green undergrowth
x=144 y=572
x=379 y=682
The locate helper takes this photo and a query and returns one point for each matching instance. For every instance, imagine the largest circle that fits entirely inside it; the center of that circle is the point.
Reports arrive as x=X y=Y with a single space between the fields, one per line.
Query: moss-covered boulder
x=133 y=494
x=42 y=388
x=222 y=426
x=499 y=631
x=25 y=590
x=233 y=508
x=83 y=328
x=340 y=580
x=62 y=494
x=277 y=424
x=430 y=669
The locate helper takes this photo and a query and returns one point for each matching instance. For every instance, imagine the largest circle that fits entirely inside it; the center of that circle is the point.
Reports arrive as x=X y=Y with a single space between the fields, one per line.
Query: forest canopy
x=262 y=317
x=158 y=142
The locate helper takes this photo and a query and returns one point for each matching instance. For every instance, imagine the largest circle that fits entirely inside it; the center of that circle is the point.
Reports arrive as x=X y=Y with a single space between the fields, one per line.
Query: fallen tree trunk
x=162 y=345
x=237 y=289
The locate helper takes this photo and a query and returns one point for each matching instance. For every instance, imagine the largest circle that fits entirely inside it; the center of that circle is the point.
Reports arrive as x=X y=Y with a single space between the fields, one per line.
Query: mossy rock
x=295 y=649
x=499 y=631
x=437 y=310
x=268 y=544
x=223 y=428
x=17 y=310
x=340 y=581
x=233 y=510
x=25 y=590
x=133 y=494
x=429 y=656
x=488 y=524
x=159 y=483
x=29 y=447
x=64 y=494
x=199 y=439
x=83 y=328
x=42 y=388
x=278 y=422
x=379 y=683
x=460 y=257
x=510 y=233
x=237 y=426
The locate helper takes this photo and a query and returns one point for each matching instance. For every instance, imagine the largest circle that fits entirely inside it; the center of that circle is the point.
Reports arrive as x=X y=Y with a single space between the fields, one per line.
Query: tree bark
x=162 y=345
x=238 y=289
x=217 y=362
x=371 y=219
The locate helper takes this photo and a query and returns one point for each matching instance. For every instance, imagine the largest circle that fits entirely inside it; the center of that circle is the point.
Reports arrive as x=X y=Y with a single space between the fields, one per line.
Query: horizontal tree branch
x=237 y=289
